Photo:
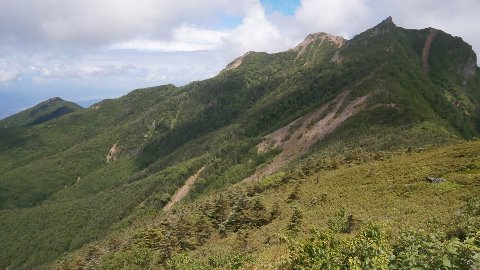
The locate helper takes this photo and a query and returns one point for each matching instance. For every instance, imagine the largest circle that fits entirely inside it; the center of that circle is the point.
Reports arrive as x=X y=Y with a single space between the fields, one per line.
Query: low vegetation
x=87 y=190
x=364 y=214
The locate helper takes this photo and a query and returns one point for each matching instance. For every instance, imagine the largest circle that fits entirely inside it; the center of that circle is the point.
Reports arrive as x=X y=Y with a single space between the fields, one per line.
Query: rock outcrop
x=113 y=153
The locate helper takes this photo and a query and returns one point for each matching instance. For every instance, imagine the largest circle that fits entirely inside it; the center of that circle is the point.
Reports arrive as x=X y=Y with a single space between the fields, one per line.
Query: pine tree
x=218 y=214
x=237 y=217
x=203 y=229
x=258 y=215
x=295 y=222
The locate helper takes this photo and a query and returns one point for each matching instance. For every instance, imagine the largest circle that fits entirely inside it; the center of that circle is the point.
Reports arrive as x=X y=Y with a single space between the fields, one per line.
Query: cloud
x=185 y=38
x=8 y=75
x=257 y=33
x=92 y=22
x=154 y=77
x=340 y=17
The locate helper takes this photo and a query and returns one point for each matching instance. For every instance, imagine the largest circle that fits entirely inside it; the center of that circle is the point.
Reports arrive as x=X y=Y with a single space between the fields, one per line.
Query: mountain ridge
x=164 y=135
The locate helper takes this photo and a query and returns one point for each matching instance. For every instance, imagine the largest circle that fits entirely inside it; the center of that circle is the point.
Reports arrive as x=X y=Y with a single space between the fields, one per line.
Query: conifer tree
x=293 y=226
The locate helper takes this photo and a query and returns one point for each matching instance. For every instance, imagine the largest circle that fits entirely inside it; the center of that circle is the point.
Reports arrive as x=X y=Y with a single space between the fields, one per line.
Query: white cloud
x=154 y=77
x=339 y=17
x=8 y=76
x=257 y=33
x=93 y=22
x=185 y=38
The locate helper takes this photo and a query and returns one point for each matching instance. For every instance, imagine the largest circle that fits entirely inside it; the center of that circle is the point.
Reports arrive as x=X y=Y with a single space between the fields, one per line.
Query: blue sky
x=84 y=50
x=286 y=7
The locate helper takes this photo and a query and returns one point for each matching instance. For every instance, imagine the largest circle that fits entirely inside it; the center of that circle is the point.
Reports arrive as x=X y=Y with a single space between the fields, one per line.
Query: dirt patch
x=337 y=58
x=113 y=153
x=302 y=47
x=426 y=50
x=297 y=137
x=183 y=191
x=237 y=62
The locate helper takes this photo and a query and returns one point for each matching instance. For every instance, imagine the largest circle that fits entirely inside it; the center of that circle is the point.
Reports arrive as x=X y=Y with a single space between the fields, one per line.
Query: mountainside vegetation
x=312 y=158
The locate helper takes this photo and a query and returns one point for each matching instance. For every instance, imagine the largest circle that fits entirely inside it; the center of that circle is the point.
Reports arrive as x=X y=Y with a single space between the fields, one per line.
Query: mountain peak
x=44 y=111
x=388 y=21
x=386 y=24
x=381 y=29
x=53 y=99
x=337 y=40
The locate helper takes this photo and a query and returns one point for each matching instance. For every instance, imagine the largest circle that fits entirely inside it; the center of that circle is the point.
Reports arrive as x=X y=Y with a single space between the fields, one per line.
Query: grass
x=392 y=193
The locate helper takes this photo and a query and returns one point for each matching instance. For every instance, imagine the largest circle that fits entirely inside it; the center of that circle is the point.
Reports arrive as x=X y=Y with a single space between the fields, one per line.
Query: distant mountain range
x=42 y=112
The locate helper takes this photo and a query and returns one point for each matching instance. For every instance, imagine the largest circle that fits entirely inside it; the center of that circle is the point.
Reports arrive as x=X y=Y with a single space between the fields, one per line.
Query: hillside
x=337 y=109
x=269 y=225
x=42 y=112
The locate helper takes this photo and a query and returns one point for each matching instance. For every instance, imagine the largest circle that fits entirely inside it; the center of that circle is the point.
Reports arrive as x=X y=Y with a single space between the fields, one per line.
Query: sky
x=88 y=50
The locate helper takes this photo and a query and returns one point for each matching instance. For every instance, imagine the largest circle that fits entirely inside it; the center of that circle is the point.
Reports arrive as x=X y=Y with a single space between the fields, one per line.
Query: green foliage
x=422 y=250
x=342 y=222
x=295 y=222
x=467 y=222
x=192 y=235
x=58 y=192
x=371 y=249
x=228 y=261
x=136 y=258
x=324 y=250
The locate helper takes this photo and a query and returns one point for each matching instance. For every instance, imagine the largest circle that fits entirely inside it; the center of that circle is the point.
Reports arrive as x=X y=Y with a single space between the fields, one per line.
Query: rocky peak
x=382 y=28
x=388 y=22
x=337 y=40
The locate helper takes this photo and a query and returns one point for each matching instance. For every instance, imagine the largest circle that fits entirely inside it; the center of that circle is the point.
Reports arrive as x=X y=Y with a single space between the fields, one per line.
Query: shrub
x=293 y=226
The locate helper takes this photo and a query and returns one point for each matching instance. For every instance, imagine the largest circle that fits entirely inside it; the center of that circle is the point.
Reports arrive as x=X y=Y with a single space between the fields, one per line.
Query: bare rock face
x=237 y=62
x=113 y=153
x=337 y=58
x=337 y=40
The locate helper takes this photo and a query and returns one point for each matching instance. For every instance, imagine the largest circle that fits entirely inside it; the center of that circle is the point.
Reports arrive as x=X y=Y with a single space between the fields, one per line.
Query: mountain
x=330 y=116
x=42 y=112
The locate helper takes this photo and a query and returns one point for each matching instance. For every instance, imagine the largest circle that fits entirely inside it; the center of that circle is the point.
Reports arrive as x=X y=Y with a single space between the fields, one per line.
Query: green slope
x=86 y=174
x=42 y=112
x=268 y=225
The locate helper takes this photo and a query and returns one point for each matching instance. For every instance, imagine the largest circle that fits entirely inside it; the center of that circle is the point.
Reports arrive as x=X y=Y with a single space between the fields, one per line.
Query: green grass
x=391 y=193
